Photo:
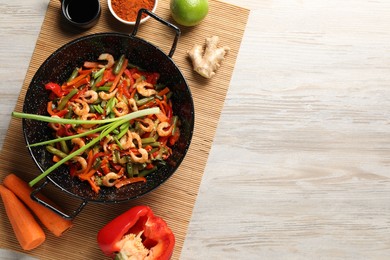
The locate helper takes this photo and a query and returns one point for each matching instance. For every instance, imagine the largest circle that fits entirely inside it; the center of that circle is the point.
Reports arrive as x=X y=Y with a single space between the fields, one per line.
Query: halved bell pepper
x=137 y=233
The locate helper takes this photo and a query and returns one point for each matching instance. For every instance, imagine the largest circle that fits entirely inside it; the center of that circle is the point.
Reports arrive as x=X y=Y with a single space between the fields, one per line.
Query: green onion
x=105 y=130
x=136 y=114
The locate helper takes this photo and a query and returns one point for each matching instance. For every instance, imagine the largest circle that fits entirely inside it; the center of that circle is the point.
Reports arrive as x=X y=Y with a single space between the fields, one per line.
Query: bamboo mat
x=175 y=199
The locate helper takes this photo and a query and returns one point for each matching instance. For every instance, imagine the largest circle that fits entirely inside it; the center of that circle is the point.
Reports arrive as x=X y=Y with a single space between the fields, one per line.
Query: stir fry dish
x=102 y=143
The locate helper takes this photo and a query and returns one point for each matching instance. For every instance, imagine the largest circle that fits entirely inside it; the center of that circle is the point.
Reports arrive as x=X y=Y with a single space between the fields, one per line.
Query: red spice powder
x=128 y=9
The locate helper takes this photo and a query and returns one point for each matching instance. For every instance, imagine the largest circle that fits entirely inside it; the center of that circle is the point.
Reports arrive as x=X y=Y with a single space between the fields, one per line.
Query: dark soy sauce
x=82 y=11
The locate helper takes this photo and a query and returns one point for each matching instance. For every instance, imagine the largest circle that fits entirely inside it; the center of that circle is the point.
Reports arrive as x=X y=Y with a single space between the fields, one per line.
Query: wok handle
x=151 y=14
x=47 y=205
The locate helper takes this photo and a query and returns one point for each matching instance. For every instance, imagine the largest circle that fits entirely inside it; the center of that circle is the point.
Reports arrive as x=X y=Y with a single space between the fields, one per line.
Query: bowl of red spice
x=126 y=11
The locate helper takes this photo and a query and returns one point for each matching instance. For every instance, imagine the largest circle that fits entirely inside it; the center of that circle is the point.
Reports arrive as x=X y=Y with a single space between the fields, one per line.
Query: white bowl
x=128 y=22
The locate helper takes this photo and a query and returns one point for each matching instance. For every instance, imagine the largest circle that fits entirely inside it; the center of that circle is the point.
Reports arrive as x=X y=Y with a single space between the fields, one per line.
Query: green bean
x=148 y=140
x=56 y=151
x=154 y=144
x=65 y=100
x=116 y=157
x=145 y=172
x=96 y=81
x=119 y=64
x=174 y=123
x=99 y=73
x=64 y=146
x=103 y=88
x=132 y=66
x=110 y=105
x=144 y=101
x=70 y=113
x=130 y=170
x=73 y=75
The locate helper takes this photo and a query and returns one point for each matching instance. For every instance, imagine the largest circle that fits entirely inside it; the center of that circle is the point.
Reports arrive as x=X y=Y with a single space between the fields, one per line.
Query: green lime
x=189 y=12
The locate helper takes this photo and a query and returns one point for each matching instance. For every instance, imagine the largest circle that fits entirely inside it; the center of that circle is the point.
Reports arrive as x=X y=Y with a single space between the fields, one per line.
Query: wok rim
x=188 y=141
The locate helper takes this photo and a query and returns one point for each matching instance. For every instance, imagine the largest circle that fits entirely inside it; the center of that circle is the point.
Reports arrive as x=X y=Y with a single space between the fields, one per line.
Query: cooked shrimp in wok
x=132 y=150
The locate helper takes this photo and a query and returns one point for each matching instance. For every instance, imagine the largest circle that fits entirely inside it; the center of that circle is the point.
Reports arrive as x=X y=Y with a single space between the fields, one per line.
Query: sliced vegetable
x=52 y=221
x=27 y=230
x=137 y=233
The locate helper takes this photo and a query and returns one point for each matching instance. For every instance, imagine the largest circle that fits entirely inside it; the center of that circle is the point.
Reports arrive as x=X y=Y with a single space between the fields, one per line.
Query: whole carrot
x=51 y=220
x=27 y=231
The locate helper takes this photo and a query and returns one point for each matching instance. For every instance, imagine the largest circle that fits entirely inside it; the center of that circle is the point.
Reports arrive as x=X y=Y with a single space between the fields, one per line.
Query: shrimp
x=55 y=126
x=133 y=105
x=82 y=162
x=109 y=179
x=139 y=159
x=88 y=116
x=147 y=125
x=127 y=140
x=80 y=107
x=109 y=58
x=106 y=96
x=146 y=92
x=105 y=143
x=78 y=141
x=121 y=109
x=161 y=129
x=89 y=96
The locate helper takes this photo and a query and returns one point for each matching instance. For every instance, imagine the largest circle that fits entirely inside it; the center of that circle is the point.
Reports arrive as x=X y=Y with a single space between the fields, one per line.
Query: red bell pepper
x=137 y=232
x=56 y=89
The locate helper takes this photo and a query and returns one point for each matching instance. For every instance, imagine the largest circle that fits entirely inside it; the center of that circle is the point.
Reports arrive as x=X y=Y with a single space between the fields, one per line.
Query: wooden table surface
x=300 y=164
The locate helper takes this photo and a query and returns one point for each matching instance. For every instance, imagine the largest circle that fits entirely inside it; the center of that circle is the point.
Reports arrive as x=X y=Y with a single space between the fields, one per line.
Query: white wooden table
x=300 y=165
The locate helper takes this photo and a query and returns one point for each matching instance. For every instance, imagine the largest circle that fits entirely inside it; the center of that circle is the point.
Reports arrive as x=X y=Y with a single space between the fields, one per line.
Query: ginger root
x=207 y=61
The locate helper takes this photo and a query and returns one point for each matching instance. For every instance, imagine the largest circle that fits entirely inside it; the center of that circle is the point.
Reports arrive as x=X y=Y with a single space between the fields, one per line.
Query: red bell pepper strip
x=140 y=228
x=108 y=75
x=56 y=89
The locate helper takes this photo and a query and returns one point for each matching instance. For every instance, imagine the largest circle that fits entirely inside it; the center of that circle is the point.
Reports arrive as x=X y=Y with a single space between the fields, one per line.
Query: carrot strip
x=118 y=77
x=164 y=91
x=82 y=82
x=162 y=105
x=49 y=108
x=85 y=71
x=51 y=220
x=27 y=230
x=132 y=94
x=76 y=79
x=56 y=158
x=90 y=158
x=87 y=175
x=94 y=187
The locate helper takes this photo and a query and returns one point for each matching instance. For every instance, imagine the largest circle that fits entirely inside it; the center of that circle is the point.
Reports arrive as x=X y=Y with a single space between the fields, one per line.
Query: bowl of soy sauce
x=81 y=13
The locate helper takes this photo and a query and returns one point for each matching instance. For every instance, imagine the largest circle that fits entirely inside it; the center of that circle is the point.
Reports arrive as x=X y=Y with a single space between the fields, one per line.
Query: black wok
x=59 y=66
